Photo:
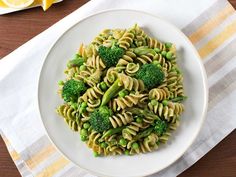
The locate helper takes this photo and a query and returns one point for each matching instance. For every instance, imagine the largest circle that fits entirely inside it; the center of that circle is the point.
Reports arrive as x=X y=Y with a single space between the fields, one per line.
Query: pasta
x=126 y=40
x=123 y=92
x=132 y=68
x=128 y=100
x=95 y=62
x=119 y=119
x=154 y=43
x=127 y=58
x=69 y=115
x=92 y=94
x=145 y=58
x=131 y=83
x=159 y=94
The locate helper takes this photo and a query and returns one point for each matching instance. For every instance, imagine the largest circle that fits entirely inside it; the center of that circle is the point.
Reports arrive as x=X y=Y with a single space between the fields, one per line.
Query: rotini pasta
x=126 y=40
x=131 y=69
x=95 y=62
x=69 y=115
x=154 y=43
x=123 y=92
x=140 y=36
x=121 y=119
x=168 y=112
x=92 y=94
x=131 y=83
x=147 y=58
x=148 y=144
x=128 y=100
x=159 y=94
x=127 y=58
x=98 y=40
x=111 y=76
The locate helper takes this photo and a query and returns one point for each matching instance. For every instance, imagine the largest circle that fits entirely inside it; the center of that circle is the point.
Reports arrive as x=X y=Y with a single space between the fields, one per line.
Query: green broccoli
x=72 y=89
x=110 y=56
x=99 y=119
x=160 y=127
x=151 y=75
x=76 y=61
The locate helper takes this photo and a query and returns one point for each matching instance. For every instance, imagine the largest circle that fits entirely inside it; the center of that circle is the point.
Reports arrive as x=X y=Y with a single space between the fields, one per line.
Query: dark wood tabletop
x=17 y=28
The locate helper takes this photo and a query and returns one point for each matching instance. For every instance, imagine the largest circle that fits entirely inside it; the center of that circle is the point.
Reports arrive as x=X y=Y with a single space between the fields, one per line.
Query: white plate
x=69 y=142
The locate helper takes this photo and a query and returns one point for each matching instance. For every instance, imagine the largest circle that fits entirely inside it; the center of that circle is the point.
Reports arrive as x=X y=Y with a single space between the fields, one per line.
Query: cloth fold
x=209 y=24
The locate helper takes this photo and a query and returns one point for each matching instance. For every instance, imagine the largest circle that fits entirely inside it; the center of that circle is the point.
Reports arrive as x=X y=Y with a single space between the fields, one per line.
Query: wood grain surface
x=17 y=28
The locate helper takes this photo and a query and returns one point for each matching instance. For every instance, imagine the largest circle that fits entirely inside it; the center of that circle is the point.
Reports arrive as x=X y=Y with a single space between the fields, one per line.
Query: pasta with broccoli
x=123 y=92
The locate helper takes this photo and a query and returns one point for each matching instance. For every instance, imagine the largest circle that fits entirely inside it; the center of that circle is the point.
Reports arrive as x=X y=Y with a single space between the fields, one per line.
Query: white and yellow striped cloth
x=209 y=24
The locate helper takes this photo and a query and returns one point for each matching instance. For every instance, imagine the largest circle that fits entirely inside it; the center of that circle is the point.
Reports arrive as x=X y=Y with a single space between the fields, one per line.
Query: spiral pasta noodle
x=131 y=69
x=95 y=62
x=147 y=145
x=153 y=43
x=91 y=50
x=98 y=40
x=147 y=58
x=111 y=76
x=69 y=115
x=126 y=40
x=128 y=100
x=159 y=94
x=66 y=111
x=92 y=94
x=121 y=119
x=140 y=37
x=82 y=51
x=118 y=33
x=70 y=72
x=131 y=130
x=93 y=104
x=130 y=83
x=168 y=112
x=127 y=58
x=167 y=65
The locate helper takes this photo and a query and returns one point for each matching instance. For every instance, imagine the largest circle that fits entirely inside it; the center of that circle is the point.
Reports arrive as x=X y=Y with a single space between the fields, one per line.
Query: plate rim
x=202 y=69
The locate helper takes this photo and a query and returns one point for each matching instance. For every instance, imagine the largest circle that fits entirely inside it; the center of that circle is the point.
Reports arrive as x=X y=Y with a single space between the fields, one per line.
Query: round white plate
x=69 y=143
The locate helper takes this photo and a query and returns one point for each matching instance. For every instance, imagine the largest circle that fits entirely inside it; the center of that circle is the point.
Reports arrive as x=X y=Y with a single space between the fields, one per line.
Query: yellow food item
x=19 y=4
x=2 y=4
x=46 y=4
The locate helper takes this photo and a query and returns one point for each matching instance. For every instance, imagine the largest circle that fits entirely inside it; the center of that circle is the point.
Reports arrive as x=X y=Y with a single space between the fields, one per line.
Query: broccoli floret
x=99 y=119
x=76 y=61
x=72 y=89
x=151 y=75
x=160 y=127
x=110 y=56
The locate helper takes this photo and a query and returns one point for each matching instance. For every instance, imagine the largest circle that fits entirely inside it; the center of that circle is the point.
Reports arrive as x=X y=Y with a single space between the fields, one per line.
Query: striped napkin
x=209 y=24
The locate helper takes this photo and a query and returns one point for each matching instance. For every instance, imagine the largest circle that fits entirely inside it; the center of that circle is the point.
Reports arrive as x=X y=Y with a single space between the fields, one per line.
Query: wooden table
x=18 y=28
